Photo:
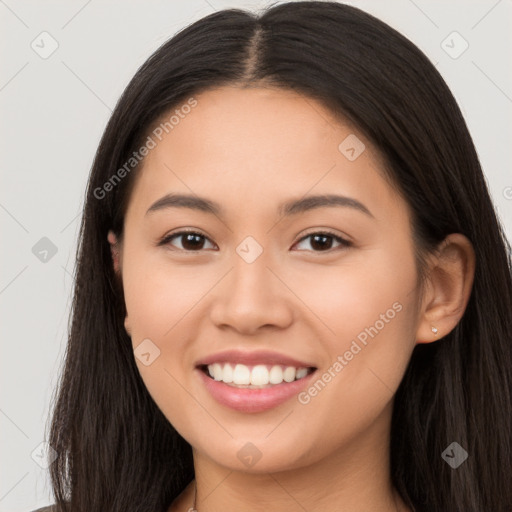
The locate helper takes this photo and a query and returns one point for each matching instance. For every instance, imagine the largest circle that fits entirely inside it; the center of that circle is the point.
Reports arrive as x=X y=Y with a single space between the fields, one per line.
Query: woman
x=292 y=290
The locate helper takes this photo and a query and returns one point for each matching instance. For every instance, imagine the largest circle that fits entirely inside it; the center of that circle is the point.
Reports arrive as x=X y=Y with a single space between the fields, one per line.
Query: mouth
x=259 y=376
x=254 y=388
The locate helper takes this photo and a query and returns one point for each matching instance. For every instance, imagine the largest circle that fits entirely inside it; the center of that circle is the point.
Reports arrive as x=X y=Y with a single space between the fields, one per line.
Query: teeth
x=289 y=374
x=241 y=374
x=227 y=373
x=217 y=372
x=300 y=373
x=259 y=375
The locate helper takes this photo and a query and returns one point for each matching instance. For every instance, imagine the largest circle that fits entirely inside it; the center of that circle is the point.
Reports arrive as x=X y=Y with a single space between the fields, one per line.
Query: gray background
x=53 y=111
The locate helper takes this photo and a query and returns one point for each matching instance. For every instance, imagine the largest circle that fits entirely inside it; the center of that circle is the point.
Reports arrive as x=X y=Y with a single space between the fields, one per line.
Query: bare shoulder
x=49 y=508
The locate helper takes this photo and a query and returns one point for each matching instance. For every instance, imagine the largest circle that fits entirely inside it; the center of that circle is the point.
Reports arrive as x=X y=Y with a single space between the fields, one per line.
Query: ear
x=114 y=250
x=451 y=275
x=116 y=260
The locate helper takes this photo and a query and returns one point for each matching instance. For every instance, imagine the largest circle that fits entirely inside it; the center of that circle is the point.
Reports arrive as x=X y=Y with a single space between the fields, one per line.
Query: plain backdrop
x=53 y=109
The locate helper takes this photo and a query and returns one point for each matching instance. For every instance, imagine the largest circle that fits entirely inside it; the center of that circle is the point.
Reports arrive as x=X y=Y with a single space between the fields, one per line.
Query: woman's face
x=258 y=276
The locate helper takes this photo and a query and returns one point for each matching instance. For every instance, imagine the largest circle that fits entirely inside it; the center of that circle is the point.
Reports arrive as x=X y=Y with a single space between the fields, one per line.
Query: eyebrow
x=286 y=209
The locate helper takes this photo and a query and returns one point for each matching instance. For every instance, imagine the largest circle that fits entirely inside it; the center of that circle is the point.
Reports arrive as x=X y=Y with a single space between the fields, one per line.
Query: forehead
x=252 y=145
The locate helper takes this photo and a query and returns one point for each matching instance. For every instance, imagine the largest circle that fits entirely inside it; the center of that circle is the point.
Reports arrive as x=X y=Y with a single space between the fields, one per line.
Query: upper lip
x=253 y=358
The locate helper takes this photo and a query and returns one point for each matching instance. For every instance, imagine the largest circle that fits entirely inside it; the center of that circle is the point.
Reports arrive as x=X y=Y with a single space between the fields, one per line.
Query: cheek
x=158 y=294
x=366 y=317
x=371 y=313
x=157 y=300
x=160 y=297
x=363 y=290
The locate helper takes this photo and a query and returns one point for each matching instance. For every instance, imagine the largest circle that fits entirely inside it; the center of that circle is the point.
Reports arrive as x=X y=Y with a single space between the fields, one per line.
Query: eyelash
x=344 y=243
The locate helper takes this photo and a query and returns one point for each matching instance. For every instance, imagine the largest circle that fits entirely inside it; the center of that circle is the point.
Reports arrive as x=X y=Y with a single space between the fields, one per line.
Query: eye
x=322 y=240
x=191 y=240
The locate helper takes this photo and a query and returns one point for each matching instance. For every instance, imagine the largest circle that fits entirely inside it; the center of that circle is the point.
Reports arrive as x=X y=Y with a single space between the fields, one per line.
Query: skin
x=249 y=150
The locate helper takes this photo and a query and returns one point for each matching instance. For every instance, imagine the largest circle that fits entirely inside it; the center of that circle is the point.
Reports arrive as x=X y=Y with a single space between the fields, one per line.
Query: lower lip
x=253 y=400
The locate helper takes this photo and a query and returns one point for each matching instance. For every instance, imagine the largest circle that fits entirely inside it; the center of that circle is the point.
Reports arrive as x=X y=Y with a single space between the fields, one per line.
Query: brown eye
x=323 y=241
x=190 y=240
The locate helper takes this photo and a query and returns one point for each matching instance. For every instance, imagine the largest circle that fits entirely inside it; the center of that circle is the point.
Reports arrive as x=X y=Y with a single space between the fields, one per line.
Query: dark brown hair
x=117 y=452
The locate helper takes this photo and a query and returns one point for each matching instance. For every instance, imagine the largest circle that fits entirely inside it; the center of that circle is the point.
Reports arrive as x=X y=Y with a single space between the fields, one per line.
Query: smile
x=252 y=398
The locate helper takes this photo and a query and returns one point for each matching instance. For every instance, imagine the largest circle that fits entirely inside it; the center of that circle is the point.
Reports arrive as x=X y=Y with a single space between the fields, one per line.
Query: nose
x=252 y=296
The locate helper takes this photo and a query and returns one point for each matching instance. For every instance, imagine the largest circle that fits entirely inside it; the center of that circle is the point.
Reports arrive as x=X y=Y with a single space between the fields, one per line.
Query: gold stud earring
x=434 y=330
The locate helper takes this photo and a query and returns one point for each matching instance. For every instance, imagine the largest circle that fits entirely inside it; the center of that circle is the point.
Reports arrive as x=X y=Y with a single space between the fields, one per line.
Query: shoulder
x=49 y=508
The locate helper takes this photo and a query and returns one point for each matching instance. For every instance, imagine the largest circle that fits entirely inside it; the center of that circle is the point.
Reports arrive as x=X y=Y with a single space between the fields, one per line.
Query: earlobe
x=451 y=275
x=114 y=250
x=127 y=326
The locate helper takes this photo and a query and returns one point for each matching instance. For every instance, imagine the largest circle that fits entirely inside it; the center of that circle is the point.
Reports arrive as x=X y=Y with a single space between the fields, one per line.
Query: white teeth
x=289 y=374
x=227 y=373
x=241 y=375
x=259 y=375
x=301 y=372
x=276 y=375
x=217 y=371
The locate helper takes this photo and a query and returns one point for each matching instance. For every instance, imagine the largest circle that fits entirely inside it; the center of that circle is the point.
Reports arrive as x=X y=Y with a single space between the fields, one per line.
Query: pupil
x=322 y=244
x=190 y=239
